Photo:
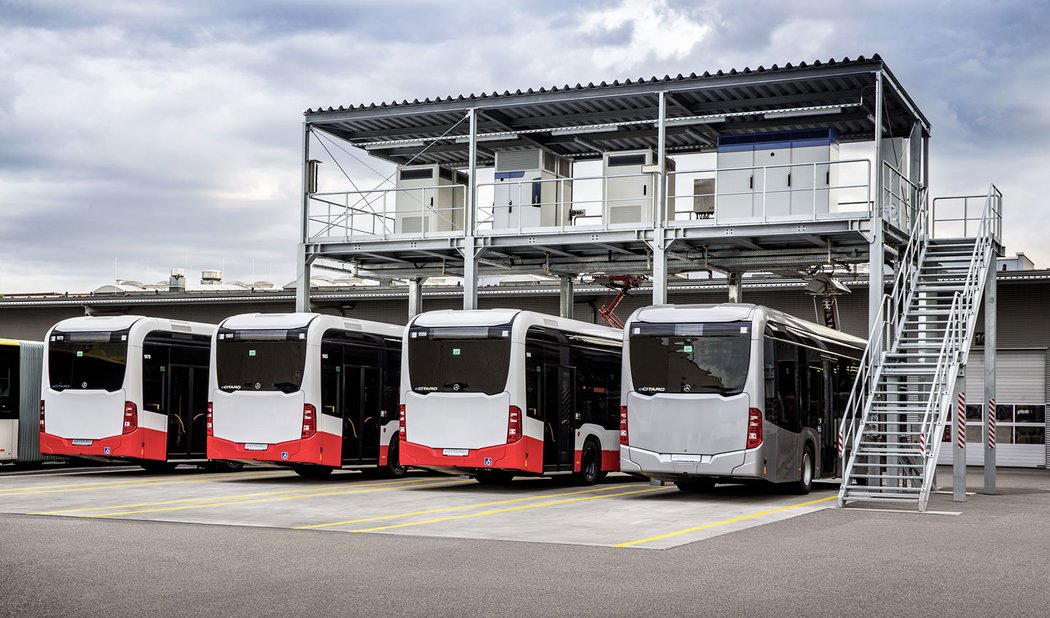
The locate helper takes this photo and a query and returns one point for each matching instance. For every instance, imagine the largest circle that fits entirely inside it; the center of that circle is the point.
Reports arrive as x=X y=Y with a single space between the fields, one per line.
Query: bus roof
x=250 y=321
x=731 y=312
x=124 y=322
x=496 y=317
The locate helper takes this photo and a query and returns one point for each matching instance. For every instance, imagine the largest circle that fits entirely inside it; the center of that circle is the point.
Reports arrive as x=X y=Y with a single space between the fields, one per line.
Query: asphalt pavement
x=988 y=560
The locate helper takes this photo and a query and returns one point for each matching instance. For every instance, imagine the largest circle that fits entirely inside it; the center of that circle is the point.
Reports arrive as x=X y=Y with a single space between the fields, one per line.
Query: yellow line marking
x=509 y=510
x=51 y=489
x=724 y=522
x=362 y=490
x=231 y=497
x=459 y=508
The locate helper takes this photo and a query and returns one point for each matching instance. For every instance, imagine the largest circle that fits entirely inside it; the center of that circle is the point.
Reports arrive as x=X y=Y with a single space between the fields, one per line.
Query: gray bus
x=730 y=392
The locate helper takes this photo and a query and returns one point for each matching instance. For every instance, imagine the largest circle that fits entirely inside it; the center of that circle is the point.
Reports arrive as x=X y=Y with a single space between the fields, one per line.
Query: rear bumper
x=323 y=449
x=525 y=455
x=143 y=443
x=744 y=464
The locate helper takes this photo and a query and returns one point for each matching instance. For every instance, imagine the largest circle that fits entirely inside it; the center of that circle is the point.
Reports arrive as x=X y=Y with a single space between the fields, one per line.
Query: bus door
x=187 y=407
x=559 y=405
x=361 y=423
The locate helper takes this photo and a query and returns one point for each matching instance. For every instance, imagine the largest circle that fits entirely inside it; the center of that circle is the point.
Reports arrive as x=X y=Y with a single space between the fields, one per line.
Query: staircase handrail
x=863 y=382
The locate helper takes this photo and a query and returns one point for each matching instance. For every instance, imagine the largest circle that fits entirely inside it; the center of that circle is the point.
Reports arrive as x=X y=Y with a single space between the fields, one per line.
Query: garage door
x=1020 y=409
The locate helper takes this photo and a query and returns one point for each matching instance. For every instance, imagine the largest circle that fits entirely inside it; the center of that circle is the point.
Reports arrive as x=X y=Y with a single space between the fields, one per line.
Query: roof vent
x=177 y=280
x=211 y=277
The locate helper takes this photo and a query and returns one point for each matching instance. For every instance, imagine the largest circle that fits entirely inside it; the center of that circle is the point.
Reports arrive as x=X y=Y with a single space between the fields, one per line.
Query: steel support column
x=877 y=255
x=566 y=297
x=415 y=297
x=302 y=279
x=470 y=253
x=302 y=267
x=660 y=207
x=989 y=379
x=734 y=283
x=959 y=438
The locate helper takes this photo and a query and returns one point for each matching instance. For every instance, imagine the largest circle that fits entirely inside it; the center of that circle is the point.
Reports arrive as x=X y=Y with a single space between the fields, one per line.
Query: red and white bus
x=500 y=392
x=126 y=387
x=315 y=392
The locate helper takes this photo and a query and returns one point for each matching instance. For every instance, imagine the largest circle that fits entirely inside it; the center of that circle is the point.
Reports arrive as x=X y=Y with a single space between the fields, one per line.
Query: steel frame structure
x=860 y=99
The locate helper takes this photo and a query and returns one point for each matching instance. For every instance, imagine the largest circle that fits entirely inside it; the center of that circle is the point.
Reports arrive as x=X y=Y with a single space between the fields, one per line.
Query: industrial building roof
x=582 y=121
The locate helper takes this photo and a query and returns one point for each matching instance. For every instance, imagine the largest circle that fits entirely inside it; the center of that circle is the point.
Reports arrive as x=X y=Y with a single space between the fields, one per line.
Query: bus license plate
x=255 y=447
x=455 y=452
x=82 y=442
x=686 y=458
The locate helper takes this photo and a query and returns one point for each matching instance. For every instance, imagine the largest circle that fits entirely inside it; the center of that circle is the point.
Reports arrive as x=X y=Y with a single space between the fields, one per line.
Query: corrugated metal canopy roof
x=596 y=118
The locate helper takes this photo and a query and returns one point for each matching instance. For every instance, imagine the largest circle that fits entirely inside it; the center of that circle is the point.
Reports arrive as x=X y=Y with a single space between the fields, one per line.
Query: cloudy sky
x=136 y=135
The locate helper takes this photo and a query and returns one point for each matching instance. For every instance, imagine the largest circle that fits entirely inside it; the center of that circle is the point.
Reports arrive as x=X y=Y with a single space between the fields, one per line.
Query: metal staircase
x=891 y=433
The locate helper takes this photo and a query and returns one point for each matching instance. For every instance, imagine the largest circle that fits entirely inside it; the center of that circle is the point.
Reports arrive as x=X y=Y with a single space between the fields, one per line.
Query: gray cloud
x=158 y=134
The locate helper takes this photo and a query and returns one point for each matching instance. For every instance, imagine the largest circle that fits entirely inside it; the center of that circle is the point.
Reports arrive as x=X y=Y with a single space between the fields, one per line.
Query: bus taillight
x=211 y=417
x=309 y=421
x=754 y=428
x=41 y=416
x=623 y=425
x=131 y=417
x=514 y=425
x=401 y=433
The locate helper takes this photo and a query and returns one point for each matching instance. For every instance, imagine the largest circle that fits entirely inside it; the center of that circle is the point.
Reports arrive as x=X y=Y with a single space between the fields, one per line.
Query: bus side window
x=787 y=386
x=154 y=364
x=533 y=380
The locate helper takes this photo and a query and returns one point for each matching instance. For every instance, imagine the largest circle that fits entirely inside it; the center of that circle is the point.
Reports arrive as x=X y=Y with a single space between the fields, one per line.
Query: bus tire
x=590 y=464
x=158 y=467
x=805 y=481
x=313 y=472
x=393 y=468
x=494 y=477
x=696 y=485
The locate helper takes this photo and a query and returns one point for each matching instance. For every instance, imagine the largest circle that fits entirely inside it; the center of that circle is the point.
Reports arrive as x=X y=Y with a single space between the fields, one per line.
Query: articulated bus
x=722 y=393
x=126 y=387
x=20 y=367
x=497 y=393
x=315 y=392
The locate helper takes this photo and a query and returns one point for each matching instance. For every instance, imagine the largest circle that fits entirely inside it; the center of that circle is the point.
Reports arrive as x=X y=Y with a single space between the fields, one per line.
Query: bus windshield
x=260 y=360
x=459 y=360
x=690 y=358
x=87 y=361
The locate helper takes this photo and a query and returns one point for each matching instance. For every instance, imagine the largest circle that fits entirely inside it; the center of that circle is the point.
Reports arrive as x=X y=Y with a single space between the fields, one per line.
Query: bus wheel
x=805 y=482
x=494 y=477
x=590 y=464
x=393 y=468
x=158 y=467
x=695 y=485
x=313 y=472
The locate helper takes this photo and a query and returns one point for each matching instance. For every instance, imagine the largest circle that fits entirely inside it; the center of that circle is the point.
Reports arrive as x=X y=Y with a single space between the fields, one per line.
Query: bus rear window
x=459 y=360
x=87 y=361
x=260 y=361
x=690 y=358
x=9 y=404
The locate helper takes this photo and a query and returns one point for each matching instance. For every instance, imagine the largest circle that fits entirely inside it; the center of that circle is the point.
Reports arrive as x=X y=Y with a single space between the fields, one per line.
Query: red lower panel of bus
x=149 y=444
x=322 y=448
x=525 y=455
x=610 y=461
x=383 y=454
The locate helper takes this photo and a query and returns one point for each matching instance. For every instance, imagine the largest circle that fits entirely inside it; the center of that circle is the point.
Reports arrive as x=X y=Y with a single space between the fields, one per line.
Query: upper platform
x=736 y=212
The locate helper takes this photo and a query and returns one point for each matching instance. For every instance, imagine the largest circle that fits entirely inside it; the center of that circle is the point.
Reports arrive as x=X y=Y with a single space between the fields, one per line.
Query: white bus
x=20 y=367
x=500 y=392
x=315 y=392
x=722 y=393
x=126 y=387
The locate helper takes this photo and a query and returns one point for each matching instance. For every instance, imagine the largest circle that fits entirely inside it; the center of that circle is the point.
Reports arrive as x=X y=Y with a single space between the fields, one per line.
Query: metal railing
x=961 y=324
x=789 y=191
x=760 y=194
x=591 y=202
x=960 y=225
x=381 y=213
